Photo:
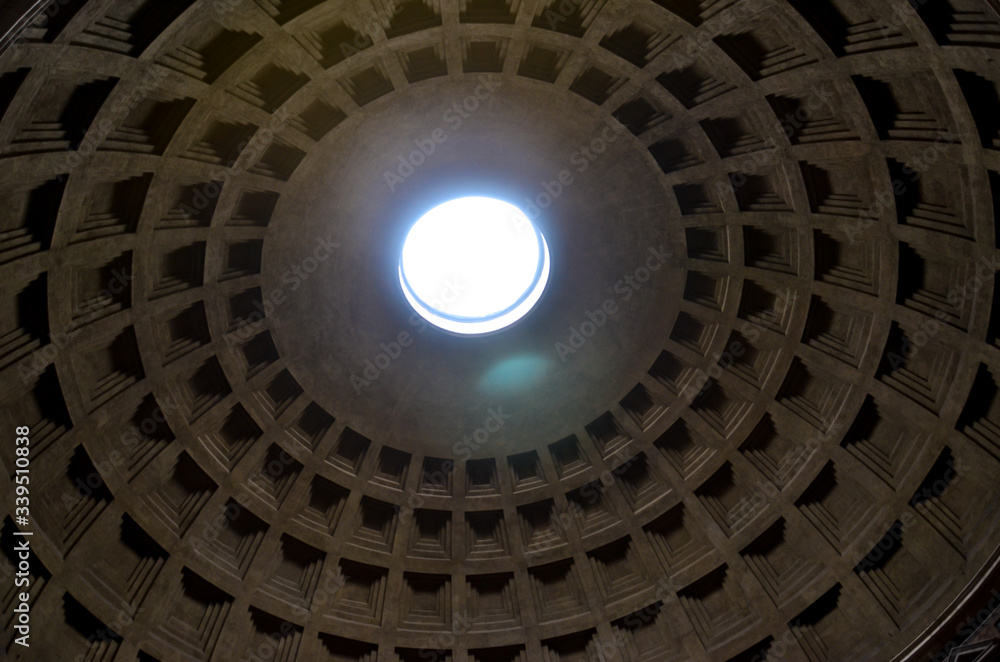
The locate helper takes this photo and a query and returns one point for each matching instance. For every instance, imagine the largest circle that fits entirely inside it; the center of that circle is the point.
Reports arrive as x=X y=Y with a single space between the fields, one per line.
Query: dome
x=749 y=409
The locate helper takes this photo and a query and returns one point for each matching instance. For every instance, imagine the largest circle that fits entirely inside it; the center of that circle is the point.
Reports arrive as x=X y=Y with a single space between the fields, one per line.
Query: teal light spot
x=515 y=373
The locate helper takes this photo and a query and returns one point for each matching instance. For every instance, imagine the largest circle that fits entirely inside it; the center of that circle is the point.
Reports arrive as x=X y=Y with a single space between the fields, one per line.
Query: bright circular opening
x=474 y=265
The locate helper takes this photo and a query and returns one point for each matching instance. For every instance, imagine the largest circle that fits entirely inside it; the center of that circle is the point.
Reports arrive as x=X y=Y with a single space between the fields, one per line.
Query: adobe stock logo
x=454 y=117
x=625 y=289
x=374 y=367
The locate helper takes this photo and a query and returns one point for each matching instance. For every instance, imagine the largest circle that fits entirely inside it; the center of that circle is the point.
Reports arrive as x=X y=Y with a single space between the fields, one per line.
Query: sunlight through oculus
x=474 y=265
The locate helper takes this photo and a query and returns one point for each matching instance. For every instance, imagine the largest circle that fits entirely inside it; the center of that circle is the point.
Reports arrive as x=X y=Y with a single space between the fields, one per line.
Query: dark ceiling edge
x=16 y=16
x=936 y=638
